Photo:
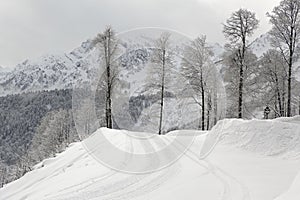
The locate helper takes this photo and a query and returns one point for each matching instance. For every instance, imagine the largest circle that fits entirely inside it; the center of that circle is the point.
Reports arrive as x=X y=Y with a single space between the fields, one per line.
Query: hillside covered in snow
x=237 y=159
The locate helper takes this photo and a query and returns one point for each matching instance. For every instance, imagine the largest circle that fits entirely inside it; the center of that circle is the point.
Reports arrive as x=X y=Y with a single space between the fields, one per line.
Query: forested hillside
x=29 y=123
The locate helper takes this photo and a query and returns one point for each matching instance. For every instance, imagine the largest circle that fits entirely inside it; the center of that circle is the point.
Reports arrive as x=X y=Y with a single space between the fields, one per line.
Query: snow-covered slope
x=230 y=171
x=51 y=71
x=293 y=193
x=261 y=45
x=61 y=71
x=4 y=70
x=279 y=137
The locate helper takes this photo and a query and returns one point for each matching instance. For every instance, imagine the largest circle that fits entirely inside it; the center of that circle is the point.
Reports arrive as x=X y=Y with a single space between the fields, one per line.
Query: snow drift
x=279 y=137
x=243 y=161
x=293 y=192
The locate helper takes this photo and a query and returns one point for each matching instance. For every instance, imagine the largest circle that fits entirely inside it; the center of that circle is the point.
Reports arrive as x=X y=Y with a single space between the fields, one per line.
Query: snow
x=78 y=67
x=261 y=45
x=293 y=192
x=4 y=69
x=237 y=160
x=279 y=137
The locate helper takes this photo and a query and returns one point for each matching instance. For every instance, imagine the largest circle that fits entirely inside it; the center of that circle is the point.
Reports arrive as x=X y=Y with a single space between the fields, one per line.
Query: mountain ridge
x=62 y=71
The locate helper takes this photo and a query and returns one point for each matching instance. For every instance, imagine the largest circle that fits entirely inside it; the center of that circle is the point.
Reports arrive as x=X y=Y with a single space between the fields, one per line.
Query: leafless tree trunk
x=195 y=69
x=285 y=33
x=215 y=107
x=238 y=27
x=202 y=100
x=160 y=71
x=162 y=90
x=209 y=107
x=108 y=45
x=241 y=87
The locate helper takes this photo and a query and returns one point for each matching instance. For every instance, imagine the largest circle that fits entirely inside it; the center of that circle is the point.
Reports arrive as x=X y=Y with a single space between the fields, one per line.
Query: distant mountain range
x=77 y=67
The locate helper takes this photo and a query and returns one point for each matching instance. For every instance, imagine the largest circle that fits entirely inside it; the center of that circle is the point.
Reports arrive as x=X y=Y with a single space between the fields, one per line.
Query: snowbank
x=295 y=120
x=75 y=174
x=293 y=192
x=279 y=137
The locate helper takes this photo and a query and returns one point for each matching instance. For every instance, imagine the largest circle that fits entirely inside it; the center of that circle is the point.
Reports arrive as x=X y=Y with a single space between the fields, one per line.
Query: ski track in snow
x=105 y=187
x=135 y=186
x=228 y=182
x=127 y=188
x=225 y=178
x=55 y=172
x=185 y=173
x=82 y=186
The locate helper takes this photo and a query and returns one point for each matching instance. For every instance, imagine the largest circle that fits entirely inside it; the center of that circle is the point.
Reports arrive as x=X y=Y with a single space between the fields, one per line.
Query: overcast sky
x=31 y=28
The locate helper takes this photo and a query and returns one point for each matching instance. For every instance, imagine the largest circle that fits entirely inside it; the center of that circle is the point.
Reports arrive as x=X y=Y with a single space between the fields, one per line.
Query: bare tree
x=232 y=78
x=108 y=46
x=274 y=75
x=209 y=108
x=285 y=33
x=237 y=29
x=161 y=60
x=195 y=67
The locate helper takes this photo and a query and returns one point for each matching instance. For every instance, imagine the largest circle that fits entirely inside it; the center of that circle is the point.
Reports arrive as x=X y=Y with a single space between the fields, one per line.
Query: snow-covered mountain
x=4 y=70
x=261 y=45
x=50 y=72
x=68 y=70
x=77 y=67
x=249 y=162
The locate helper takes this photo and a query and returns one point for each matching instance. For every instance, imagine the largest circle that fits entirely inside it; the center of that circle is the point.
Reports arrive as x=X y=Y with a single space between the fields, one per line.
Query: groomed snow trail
x=237 y=168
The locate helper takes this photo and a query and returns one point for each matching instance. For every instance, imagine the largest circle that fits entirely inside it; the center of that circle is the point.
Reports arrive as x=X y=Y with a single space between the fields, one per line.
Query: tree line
x=251 y=83
x=275 y=70
x=33 y=126
x=196 y=72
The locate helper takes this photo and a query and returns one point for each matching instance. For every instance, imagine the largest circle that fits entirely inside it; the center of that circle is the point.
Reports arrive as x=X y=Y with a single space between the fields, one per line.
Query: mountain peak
x=261 y=44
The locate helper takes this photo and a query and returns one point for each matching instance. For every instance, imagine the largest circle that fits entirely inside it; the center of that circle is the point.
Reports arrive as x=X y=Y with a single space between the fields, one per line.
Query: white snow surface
x=293 y=193
x=236 y=160
x=279 y=137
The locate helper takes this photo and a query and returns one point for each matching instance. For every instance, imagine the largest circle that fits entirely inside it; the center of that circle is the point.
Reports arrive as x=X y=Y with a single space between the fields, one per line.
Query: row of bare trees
x=285 y=33
x=195 y=69
x=278 y=64
x=274 y=70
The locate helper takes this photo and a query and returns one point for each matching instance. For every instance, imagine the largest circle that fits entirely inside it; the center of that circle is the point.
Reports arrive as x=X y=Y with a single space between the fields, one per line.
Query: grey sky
x=31 y=28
